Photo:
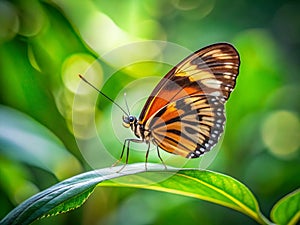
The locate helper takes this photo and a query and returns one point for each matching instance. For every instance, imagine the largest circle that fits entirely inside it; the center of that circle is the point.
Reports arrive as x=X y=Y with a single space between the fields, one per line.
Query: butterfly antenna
x=126 y=103
x=86 y=81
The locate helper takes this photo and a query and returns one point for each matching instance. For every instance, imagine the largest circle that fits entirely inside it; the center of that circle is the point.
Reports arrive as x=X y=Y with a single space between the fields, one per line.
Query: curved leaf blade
x=287 y=209
x=202 y=184
x=66 y=195
x=71 y=193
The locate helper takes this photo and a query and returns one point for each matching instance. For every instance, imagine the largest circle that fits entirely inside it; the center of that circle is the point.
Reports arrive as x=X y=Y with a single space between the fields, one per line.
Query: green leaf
x=71 y=193
x=17 y=128
x=202 y=184
x=287 y=209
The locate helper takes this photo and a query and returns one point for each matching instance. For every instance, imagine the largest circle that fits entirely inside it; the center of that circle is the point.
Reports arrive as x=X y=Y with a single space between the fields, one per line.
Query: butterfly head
x=129 y=120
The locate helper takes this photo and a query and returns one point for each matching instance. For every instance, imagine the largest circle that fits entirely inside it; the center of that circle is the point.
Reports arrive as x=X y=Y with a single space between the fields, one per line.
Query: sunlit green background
x=45 y=44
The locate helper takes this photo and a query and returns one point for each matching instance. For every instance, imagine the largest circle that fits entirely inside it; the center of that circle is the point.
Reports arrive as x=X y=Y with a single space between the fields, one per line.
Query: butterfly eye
x=128 y=120
x=131 y=119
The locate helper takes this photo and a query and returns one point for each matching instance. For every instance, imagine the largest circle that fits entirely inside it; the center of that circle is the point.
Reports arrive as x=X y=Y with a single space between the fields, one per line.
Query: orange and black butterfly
x=184 y=114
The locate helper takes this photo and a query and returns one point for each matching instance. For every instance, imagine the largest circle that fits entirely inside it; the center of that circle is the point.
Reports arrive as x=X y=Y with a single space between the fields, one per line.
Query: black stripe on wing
x=190 y=126
x=211 y=71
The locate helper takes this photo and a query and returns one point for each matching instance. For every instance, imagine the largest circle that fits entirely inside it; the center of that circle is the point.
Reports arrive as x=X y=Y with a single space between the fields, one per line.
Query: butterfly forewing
x=189 y=126
x=210 y=71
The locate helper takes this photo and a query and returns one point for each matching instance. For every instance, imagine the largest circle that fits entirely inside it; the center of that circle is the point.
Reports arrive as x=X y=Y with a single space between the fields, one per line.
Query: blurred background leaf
x=25 y=140
x=45 y=44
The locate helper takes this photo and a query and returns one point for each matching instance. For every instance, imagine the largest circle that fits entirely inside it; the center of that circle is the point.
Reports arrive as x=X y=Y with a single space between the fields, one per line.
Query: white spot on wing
x=212 y=83
x=216 y=93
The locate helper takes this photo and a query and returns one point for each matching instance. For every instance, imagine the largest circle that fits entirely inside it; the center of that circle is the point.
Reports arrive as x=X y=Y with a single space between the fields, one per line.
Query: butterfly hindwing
x=189 y=126
x=210 y=71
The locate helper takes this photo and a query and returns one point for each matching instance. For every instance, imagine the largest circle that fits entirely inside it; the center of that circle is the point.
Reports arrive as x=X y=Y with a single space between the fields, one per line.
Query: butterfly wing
x=210 y=71
x=189 y=126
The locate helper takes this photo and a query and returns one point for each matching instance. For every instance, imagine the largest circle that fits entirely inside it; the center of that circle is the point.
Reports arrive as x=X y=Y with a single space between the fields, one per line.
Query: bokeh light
x=281 y=133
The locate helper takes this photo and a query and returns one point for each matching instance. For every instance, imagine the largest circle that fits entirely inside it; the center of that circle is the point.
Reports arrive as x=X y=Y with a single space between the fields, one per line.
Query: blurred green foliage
x=45 y=44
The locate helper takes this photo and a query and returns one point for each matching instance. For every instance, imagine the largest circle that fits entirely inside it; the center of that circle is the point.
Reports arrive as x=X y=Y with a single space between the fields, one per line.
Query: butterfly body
x=184 y=114
x=137 y=128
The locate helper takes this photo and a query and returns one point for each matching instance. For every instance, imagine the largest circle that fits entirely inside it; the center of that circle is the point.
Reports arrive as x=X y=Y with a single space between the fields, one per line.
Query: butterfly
x=184 y=114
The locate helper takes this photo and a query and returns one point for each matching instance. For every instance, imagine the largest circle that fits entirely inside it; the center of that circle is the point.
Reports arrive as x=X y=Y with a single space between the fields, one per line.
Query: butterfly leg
x=162 y=161
x=127 y=145
x=122 y=153
x=147 y=154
